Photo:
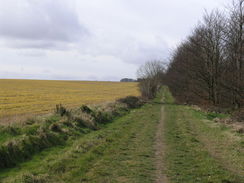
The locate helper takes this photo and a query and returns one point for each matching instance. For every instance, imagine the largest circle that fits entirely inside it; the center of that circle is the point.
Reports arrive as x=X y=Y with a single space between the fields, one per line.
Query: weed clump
x=85 y=120
x=55 y=128
x=101 y=116
x=85 y=109
x=61 y=110
x=131 y=101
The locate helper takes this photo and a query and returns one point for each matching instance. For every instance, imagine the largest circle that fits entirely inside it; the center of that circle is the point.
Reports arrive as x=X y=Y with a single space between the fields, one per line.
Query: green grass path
x=196 y=150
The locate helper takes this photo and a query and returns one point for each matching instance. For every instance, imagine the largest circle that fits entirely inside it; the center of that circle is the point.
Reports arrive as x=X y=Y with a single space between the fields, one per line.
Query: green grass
x=213 y=115
x=20 y=142
x=122 y=151
x=198 y=150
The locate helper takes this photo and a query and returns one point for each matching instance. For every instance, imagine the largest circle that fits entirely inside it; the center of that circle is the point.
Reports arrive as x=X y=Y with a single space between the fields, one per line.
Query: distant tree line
x=128 y=80
x=207 y=67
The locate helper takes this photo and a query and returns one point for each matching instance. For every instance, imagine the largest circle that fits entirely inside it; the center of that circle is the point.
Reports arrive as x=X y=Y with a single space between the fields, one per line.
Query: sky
x=101 y=40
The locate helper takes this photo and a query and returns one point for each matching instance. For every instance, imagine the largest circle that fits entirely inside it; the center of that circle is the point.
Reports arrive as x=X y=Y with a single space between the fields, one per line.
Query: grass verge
x=198 y=150
x=20 y=143
x=121 y=151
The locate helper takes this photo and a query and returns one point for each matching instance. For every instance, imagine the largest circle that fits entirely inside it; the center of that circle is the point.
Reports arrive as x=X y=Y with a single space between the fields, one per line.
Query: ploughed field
x=20 y=97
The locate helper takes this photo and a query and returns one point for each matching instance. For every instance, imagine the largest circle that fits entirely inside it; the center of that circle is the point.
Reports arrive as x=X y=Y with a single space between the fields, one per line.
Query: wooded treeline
x=207 y=67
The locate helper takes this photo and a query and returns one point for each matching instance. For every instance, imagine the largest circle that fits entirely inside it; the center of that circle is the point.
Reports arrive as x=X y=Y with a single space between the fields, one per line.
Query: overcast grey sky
x=92 y=39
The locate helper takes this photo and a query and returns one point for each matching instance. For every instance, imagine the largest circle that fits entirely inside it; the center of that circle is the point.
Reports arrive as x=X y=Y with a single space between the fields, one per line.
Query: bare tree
x=234 y=44
x=211 y=44
x=150 y=75
x=198 y=61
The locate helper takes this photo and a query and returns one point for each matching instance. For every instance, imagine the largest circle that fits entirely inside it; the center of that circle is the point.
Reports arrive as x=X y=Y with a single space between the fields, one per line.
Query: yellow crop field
x=40 y=96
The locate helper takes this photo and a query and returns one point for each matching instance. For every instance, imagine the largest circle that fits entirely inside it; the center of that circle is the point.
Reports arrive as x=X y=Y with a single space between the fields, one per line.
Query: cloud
x=32 y=53
x=91 y=39
x=131 y=47
x=39 y=24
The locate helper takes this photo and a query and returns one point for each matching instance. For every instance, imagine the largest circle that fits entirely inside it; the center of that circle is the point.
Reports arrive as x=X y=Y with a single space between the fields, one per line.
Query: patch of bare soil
x=159 y=151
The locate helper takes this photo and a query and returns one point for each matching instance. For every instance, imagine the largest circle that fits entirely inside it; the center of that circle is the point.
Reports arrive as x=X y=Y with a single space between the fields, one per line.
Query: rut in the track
x=159 y=151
